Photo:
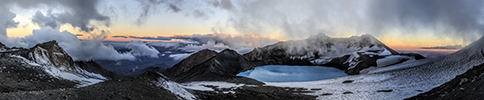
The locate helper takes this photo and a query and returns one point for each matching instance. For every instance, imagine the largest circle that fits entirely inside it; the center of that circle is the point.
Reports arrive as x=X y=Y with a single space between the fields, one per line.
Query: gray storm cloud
x=78 y=14
x=454 y=18
x=300 y=19
x=461 y=18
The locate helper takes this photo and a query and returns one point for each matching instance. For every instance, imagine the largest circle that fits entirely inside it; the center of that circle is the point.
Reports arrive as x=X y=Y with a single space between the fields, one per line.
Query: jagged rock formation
x=46 y=66
x=190 y=62
x=350 y=54
x=222 y=67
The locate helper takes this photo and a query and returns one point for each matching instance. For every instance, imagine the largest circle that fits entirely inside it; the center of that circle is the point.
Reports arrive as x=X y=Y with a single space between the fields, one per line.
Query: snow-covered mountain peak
x=351 y=54
x=320 y=36
x=49 y=59
x=51 y=53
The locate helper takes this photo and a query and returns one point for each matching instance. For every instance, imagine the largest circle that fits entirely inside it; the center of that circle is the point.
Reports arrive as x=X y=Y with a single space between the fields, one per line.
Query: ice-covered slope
x=351 y=54
x=397 y=81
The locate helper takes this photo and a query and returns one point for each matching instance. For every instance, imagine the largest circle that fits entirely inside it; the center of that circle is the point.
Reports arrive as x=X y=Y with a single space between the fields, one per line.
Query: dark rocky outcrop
x=273 y=55
x=467 y=86
x=222 y=67
x=365 y=61
x=190 y=62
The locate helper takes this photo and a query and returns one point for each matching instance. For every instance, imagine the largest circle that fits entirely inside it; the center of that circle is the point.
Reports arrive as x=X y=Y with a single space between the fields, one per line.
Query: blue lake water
x=285 y=73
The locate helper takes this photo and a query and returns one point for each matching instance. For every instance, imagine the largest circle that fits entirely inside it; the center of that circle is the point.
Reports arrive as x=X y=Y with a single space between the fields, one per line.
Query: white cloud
x=209 y=45
x=138 y=48
x=76 y=48
x=180 y=56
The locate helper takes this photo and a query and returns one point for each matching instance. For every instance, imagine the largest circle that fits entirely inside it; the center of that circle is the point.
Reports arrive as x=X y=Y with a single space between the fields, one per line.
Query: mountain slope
x=190 y=62
x=222 y=67
x=466 y=85
x=350 y=54
x=46 y=66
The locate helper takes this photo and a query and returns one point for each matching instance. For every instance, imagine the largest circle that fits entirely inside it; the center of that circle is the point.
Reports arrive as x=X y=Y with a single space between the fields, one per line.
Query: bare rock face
x=190 y=62
x=224 y=66
x=50 y=52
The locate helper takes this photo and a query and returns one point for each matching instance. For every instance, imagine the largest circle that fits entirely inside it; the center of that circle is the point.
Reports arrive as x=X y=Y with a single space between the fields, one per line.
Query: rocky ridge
x=224 y=66
x=190 y=62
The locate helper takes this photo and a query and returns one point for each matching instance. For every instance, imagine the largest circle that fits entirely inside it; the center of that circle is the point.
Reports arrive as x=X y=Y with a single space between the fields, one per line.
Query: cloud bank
x=138 y=48
x=292 y=19
x=78 y=13
x=216 y=42
x=444 y=47
x=78 y=49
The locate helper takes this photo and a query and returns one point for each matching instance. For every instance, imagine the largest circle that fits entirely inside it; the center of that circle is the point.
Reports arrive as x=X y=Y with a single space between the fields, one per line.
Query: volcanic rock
x=222 y=67
x=189 y=62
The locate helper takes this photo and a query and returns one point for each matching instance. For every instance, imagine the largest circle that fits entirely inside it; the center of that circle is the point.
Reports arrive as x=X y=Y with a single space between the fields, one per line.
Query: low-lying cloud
x=138 y=48
x=216 y=42
x=78 y=49
x=444 y=47
x=231 y=40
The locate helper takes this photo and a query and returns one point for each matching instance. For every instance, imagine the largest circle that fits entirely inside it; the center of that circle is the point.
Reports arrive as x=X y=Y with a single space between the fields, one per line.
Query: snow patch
x=175 y=88
x=85 y=78
x=201 y=85
x=385 y=53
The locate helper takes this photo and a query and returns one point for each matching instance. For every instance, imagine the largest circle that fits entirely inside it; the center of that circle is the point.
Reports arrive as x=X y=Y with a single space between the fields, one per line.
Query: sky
x=401 y=24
